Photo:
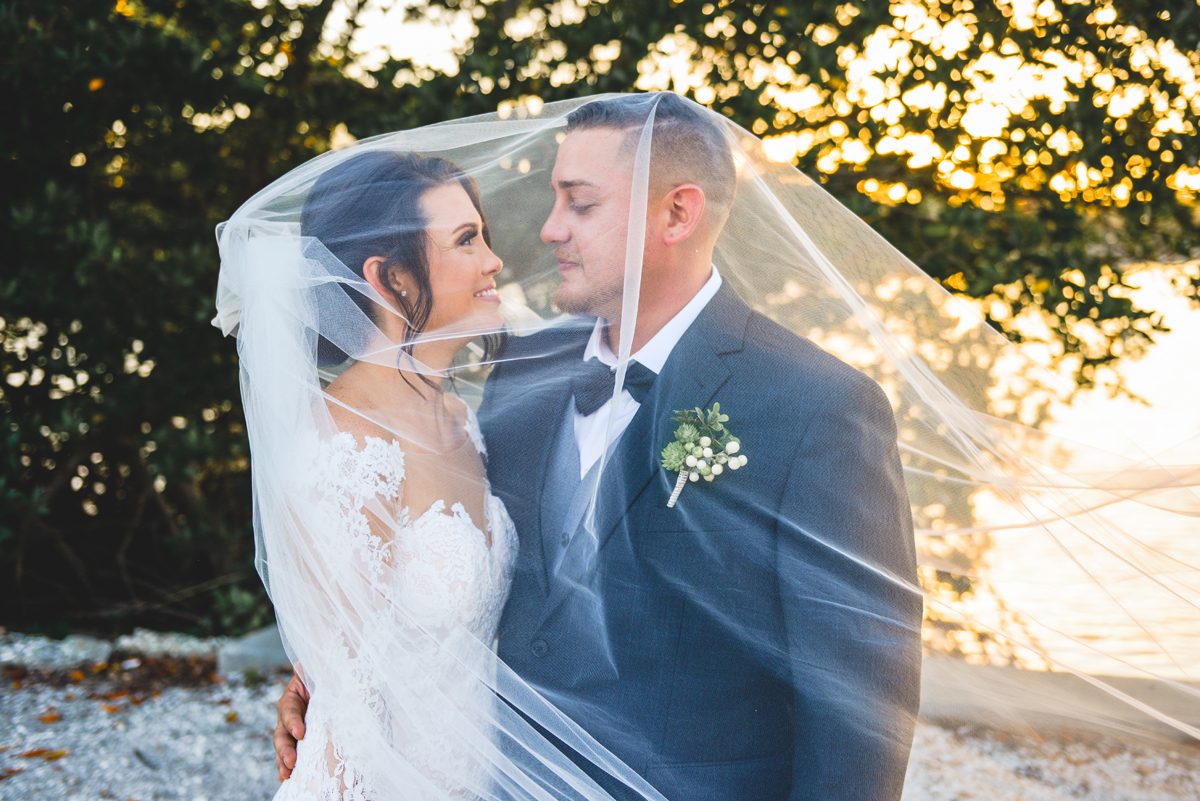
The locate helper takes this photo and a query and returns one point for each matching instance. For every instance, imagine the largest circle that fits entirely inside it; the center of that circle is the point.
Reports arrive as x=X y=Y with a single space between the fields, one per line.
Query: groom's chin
x=567 y=299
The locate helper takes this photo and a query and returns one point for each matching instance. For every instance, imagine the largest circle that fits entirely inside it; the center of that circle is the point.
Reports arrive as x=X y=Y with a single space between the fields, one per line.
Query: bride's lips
x=489 y=295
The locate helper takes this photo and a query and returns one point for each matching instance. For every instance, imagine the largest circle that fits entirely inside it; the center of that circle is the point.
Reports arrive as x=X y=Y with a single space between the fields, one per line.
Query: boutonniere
x=703 y=447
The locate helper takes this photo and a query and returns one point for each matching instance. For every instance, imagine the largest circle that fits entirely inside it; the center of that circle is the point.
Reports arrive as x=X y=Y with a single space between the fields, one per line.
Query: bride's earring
x=404 y=293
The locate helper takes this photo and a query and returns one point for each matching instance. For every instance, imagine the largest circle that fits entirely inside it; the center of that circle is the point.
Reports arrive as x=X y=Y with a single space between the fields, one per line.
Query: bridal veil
x=981 y=486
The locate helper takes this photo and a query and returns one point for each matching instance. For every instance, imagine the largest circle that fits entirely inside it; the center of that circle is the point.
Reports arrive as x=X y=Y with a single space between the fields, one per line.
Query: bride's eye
x=468 y=238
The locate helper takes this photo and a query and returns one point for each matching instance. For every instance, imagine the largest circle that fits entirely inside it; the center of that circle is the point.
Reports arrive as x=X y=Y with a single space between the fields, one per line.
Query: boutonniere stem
x=702 y=448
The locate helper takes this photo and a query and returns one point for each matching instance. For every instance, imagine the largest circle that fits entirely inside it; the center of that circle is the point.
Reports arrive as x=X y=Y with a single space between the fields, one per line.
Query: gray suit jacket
x=761 y=640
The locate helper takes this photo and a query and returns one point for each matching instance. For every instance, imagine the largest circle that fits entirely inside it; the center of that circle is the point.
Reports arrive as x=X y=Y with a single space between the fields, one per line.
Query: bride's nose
x=492 y=263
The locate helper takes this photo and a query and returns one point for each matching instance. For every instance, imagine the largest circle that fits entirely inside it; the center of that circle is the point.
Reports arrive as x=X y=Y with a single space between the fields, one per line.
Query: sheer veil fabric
x=493 y=594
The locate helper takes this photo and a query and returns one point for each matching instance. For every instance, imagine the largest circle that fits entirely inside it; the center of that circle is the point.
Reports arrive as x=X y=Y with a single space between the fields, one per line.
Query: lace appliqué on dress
x=439 y=582
x=345 y=480
x=472 y=427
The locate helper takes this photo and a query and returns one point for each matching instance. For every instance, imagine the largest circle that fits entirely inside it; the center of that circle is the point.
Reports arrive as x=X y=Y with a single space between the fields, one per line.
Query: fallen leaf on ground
x=8 y=773
x=50 y=717
x=47 y=754
x=111 y=708
x=232 y=717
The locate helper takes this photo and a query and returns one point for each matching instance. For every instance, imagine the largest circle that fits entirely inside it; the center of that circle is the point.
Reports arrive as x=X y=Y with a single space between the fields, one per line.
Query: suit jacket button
x=539 y=648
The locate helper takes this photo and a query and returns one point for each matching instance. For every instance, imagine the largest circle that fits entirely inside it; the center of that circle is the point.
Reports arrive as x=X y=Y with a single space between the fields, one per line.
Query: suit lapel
x=691 y=377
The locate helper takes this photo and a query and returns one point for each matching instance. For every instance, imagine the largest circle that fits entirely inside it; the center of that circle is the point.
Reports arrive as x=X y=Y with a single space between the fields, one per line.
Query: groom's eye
x=581 y=206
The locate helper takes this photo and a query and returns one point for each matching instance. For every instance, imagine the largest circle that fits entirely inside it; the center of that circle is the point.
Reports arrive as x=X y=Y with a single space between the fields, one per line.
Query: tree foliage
x=136 y=125
x=1019 y=151
x=134 y=128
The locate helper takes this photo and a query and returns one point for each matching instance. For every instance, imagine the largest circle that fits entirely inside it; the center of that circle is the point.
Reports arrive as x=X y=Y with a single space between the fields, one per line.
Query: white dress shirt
x=591 y=432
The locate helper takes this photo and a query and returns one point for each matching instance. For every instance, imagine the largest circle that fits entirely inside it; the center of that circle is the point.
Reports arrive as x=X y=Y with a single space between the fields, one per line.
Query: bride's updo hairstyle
x=370 y=206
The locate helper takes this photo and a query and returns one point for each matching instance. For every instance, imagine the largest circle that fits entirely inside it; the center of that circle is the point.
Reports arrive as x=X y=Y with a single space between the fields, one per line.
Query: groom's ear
x=684 y=206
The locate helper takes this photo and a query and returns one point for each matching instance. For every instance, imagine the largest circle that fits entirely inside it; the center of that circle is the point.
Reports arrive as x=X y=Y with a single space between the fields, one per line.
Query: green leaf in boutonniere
x=702 y=449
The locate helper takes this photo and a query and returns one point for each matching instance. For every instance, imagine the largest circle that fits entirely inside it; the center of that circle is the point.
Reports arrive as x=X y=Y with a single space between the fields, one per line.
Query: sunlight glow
x=885 y=82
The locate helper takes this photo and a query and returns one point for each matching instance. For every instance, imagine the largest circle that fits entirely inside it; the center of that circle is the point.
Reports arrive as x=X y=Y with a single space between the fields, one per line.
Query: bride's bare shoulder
x=349 y=411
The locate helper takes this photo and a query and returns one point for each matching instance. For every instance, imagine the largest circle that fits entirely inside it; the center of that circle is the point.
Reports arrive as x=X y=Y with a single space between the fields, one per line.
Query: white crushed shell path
x=182 y=746
x=950 y=765
x=179 y=745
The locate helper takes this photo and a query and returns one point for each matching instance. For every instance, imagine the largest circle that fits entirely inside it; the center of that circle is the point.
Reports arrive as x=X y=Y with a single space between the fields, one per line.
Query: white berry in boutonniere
x=703 y=448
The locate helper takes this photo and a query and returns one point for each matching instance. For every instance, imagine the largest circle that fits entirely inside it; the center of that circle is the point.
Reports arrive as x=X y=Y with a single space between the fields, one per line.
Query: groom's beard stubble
x=581 y=292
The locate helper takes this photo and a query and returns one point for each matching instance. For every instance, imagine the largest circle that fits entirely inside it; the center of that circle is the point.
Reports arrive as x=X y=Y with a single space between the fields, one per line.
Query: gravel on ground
x=95 y=737
x=162 y=726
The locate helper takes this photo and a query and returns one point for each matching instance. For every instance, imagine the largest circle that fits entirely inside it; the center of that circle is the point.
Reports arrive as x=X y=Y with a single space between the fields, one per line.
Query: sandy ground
x=164 y=729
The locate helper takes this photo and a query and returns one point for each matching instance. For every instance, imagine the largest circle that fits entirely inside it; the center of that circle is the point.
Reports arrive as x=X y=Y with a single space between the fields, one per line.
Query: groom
x=761 y=639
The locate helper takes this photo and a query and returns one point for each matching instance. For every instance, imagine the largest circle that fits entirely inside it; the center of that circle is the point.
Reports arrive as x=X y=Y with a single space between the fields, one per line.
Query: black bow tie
x=594 y=380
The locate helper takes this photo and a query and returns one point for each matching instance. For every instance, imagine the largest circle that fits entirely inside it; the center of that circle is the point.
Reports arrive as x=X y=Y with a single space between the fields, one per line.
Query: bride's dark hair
x=370 y=206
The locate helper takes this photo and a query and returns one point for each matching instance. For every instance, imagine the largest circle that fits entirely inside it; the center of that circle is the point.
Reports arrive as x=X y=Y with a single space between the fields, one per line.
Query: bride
x=431 y=538
x=389 y=514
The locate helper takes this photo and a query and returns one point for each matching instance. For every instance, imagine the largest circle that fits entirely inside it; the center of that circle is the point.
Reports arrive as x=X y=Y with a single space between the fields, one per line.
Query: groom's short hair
x=688 y=147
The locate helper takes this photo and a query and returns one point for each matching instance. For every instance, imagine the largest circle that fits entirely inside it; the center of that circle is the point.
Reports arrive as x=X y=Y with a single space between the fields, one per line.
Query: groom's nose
x=554 y=232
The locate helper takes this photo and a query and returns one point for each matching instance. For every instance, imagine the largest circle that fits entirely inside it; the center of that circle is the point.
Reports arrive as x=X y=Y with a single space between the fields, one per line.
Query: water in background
x=1123 y=622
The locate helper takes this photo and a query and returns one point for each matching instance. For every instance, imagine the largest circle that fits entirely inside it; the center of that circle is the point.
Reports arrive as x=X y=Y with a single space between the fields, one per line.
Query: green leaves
x=697 y=422
x=133 y=135
x=993 y=210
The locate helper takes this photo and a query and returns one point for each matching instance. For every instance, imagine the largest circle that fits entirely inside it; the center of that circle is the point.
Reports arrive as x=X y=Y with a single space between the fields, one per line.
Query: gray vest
x=565 y=499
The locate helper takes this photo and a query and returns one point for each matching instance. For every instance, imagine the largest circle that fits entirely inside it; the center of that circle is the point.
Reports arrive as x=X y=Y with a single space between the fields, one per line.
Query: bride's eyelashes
x=468 y=237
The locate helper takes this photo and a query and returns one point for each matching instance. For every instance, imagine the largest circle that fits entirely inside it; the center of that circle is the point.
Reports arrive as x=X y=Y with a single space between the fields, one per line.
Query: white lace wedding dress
x=407 y=700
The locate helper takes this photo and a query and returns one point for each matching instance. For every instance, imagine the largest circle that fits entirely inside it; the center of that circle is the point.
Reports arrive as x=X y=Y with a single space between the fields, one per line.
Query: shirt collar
x=655 y=352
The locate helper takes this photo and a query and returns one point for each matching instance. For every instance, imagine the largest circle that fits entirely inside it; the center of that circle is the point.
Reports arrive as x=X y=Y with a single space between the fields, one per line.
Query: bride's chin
x=490 y=320
x=485 y=322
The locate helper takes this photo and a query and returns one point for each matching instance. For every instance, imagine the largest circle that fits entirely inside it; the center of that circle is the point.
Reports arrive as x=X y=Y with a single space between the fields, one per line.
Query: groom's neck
x=663 y=295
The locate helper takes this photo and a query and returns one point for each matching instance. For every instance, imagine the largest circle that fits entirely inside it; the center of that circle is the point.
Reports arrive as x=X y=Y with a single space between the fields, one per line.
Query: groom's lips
x=566 y=266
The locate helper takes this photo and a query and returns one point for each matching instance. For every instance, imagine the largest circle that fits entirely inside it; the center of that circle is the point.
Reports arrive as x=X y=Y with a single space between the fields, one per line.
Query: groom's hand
x=291 y=708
